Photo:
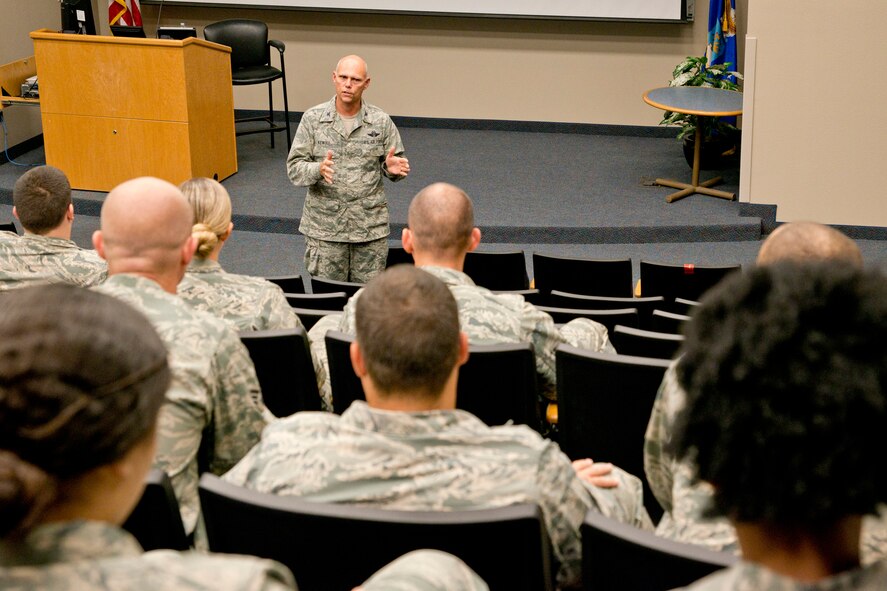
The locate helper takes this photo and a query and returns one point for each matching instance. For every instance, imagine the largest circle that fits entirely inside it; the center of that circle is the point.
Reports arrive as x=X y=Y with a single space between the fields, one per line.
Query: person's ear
x=15 y=213
x=357 y=361
x=474 y=241
x=227 y=233
x=463 y=348
x=70 y=213
x=98 y=242
x=189 y=247
x=406 y=237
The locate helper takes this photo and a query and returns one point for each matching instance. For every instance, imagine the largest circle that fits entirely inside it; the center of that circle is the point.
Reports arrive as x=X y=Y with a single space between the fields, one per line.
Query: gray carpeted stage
x=580 y=194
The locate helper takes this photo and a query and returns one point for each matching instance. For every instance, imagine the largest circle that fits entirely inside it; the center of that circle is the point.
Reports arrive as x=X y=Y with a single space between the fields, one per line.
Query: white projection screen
x=640 y=10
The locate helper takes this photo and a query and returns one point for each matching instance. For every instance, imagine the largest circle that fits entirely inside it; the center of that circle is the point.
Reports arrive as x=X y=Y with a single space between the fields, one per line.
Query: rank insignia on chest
x=374 y=134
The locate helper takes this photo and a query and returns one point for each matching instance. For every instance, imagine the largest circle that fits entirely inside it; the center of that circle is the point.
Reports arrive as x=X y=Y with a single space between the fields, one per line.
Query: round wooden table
x=702 y=102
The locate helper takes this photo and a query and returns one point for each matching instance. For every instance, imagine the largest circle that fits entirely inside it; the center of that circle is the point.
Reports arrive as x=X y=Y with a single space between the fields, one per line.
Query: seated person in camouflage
x=251 y=303
x=408 y=448
x=214 y=404
x=82 y=378
x=425 y=570
x=685 y=499
x=440 y=233
x=785 y=374
x=46 y=253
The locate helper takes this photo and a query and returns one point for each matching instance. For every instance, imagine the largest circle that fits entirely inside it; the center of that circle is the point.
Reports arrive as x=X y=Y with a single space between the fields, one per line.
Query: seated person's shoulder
x=195 y=570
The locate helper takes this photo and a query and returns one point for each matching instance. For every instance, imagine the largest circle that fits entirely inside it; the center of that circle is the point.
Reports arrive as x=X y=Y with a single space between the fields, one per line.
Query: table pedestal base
x=688 y=189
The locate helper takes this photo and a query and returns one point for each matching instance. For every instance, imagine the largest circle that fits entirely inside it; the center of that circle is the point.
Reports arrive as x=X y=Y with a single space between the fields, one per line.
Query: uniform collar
x=409 y=424
x=204 y=266
x=69 y=541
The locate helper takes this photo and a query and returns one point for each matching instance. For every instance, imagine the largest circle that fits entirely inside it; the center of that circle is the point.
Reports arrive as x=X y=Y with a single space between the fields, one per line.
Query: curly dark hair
x=784 y=369
x=82 y=378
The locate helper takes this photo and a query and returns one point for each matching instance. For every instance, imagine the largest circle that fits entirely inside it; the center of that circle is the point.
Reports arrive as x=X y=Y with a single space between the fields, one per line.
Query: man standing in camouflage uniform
x=341 y=151
x=146 y=238
x=46 y=253
x=684 y=497
x=440 y=233
x=408 y=448
x=784 y=371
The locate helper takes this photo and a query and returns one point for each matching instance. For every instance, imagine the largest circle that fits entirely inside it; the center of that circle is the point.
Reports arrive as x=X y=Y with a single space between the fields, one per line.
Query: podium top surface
x=48 y=35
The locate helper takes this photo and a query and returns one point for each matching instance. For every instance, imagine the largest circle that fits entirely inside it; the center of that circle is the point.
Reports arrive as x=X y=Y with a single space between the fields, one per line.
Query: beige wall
x=816 y=141
x=585 y=72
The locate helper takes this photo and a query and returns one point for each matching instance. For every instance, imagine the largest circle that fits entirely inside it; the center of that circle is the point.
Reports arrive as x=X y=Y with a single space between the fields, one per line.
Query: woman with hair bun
x=251 y=303
x=82 y=379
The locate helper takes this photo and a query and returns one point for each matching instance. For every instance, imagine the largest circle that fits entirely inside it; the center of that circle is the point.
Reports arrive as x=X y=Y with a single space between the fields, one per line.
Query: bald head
x=441 y=220
x=808 y=241
x=146 y=223
x=353 y=63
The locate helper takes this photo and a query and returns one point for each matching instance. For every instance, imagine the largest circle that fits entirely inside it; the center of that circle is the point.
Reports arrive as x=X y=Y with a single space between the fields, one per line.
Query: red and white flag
x=124 y=12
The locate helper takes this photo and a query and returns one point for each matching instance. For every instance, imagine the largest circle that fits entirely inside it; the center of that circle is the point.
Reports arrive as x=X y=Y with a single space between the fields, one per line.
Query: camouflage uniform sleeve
x=301 y=167
x=238 y=413
x=425 y=570
x=538 y=328
x=587 y=334
x=658 y=462
x=624 y=503
x=564 y=503
x=392 y=139
x=319 y=357
x=277 y=311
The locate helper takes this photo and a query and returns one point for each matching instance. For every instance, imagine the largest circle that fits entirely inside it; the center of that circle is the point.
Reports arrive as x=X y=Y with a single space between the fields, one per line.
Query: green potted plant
x=720 y=139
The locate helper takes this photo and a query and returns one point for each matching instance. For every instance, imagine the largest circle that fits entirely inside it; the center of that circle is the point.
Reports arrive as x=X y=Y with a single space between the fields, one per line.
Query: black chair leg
x=286 y=104
x=271 y=112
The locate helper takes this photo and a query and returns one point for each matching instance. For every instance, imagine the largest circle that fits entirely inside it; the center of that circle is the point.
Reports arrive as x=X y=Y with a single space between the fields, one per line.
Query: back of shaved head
x=808 y=241
x=145 y=218
x=441 y=219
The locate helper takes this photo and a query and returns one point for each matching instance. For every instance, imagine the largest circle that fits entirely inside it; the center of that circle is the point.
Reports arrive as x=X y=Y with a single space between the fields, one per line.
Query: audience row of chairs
x=333 y=546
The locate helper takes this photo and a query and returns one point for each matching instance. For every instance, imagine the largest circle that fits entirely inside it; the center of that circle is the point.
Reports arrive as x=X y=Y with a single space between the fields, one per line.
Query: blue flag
x=721 y=47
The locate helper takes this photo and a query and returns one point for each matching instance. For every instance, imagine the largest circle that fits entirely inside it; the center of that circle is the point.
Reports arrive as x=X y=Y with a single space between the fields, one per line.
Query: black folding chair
x=498 y=270
x=609 y=318
x=645 y=343
x=288 y=283
x=584 y=276
x=284 y=368
x=318 y=301
x=645 y=306
x=680 y=281
x=156 y=521
x=322 y=285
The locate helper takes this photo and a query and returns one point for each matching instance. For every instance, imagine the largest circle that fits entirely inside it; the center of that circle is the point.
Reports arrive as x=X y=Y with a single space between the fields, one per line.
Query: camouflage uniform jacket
x=91 y=555
x=353 y=208
x=214 y=394
x=746 y=576
x=688 y=500
x=425 y=570
x=32 y=259
x=486 y=318
x=251 y=303
x=432 y=461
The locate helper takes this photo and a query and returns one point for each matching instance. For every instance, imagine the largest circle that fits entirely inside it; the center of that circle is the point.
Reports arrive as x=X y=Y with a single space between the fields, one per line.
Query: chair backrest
x=609 y=318
x=309 y=316
x=344 y=383
x=248 y=40
x=532 y=296
x=662 y=321
x=156 y=521
x=288 y=283
x=683 y=306
x=604 y=404
x=680 y=281
x=336 y=546
x=645 y=306
x=584 y=276
x=498 y=383
x=397 y=256
x=620 y=556
x=498 y=270
x=645 y=343
x=322 y=285
x=284 y=368
x=318 y=301
x=10 y=227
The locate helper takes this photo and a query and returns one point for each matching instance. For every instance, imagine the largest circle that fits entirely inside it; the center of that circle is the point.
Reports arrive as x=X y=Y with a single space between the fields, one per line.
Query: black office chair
x=284 y=368
x=619 y=556
x=288 y=283
x=310 y=317
x=662 y=321
x=604 y=404
x=680 y=281
x=498 y=383
x=156 y=521
x=318 y=301
x=323 y=285
x=645 y=343
x=498 y=270
x=251 y=64
x=338 y=546
x=645 y=306
x=609 y=318
x=610 y=278
x=398 y=256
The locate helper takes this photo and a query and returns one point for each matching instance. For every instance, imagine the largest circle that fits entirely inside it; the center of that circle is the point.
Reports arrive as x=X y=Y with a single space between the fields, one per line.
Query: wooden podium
x=116 y=108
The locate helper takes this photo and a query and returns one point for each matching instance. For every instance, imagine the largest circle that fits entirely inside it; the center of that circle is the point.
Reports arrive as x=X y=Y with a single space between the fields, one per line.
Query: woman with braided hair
x=82 y=379
x=251 y=303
